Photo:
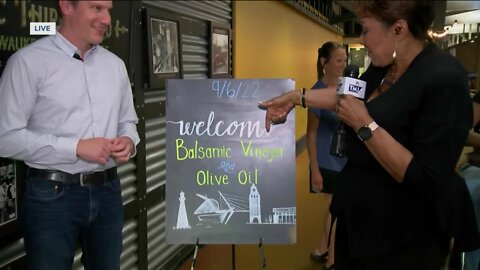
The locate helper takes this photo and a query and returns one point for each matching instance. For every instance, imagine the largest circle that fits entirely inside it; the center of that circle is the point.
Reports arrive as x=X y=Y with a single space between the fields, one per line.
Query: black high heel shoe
x=319 y=258
x=331 y=267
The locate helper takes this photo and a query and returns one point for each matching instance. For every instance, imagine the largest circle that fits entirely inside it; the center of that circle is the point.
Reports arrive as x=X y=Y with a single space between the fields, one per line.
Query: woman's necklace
x=386 y=82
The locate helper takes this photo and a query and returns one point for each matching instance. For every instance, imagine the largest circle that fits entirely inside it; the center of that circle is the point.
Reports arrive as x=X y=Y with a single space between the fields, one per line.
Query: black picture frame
x=220 y=40
x=163 y=40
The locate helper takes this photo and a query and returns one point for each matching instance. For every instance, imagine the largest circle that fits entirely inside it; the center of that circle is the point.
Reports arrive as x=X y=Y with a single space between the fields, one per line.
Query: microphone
x=351 y=71
x=347 y=85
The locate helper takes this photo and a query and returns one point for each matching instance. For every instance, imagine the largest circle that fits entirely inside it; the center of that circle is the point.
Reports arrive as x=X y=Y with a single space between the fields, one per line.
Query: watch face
x=364 y=133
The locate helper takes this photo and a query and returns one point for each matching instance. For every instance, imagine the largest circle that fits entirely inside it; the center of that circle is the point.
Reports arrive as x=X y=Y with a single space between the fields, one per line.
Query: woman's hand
x=352 y=111
x=317 y=181
x=278 y=108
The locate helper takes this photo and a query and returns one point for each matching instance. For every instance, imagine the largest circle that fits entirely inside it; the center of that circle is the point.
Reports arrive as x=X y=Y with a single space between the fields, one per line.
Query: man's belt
x=82 y=179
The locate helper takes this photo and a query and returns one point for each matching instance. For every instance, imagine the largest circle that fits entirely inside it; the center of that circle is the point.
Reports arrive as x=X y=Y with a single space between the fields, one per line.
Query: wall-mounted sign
x=228 y=180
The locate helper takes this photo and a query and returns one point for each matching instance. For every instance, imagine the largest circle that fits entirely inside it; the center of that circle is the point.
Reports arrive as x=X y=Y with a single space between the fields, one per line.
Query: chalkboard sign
x=228 y=180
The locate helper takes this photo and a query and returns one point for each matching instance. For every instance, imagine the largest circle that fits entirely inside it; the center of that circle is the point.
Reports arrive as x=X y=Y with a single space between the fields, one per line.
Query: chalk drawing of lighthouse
x=182 y=218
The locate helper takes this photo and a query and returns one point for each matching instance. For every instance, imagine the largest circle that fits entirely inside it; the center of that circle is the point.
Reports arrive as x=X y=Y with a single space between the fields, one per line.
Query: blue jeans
x=57 y=217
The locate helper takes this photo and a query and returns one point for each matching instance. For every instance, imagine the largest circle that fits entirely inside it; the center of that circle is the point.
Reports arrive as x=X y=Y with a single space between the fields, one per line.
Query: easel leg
x=195 y=255
x=262 y=255
x=233 y=257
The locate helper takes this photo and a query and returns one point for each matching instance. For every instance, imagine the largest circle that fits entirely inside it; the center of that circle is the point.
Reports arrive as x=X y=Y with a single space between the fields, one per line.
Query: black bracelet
x=302 y=98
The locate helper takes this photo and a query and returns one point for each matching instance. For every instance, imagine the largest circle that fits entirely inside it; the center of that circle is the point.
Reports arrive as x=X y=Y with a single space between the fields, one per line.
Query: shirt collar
x=66 y=46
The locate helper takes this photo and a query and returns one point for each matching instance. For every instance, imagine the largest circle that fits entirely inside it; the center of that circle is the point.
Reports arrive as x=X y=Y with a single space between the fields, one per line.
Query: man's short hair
x=59 y=10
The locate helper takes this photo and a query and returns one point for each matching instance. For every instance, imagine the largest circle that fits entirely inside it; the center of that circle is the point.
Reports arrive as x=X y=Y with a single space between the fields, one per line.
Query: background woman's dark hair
x=419 y=14
x=326 y=52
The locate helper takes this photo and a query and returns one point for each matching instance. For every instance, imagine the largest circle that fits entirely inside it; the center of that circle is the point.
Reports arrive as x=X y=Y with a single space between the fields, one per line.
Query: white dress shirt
x=50 y=100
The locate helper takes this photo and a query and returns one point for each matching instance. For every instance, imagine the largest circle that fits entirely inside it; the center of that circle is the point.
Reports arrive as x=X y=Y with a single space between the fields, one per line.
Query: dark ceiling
x=447 y=13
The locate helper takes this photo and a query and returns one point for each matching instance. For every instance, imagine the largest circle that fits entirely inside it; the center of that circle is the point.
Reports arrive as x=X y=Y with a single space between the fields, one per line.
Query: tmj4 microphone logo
x=355 y=88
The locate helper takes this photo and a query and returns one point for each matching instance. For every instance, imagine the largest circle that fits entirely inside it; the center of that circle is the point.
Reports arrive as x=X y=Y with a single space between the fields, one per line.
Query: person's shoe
x=322 y=258
x=331 y=267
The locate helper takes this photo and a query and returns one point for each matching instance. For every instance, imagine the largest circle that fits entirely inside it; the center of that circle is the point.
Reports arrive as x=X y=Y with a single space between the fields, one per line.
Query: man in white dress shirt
x=66 y=109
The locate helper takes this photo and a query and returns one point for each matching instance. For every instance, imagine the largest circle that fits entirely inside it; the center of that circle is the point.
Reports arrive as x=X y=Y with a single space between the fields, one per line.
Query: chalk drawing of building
x=212 y=211
x=254 y=205
x=286 y=215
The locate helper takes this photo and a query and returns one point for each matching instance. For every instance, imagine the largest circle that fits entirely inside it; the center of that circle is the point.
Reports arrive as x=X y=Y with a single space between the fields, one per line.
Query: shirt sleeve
x=128 y=117
x=439 y=133
x=18 y=94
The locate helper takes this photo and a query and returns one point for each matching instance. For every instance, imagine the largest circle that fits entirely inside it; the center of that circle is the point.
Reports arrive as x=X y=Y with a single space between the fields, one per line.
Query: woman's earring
x=394 y=55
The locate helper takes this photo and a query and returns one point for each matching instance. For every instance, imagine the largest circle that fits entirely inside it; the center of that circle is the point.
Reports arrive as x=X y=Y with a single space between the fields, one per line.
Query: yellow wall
x=273 y=40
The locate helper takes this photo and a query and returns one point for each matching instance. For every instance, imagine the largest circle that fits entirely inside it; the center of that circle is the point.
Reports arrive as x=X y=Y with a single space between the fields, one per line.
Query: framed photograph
x=357 y=57
x=8 y=191
x=163 y=39
x=220 y=50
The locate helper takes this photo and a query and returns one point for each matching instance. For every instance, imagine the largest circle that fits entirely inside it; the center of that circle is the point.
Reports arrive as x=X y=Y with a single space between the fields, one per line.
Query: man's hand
x=121 y=149
x=94 y=150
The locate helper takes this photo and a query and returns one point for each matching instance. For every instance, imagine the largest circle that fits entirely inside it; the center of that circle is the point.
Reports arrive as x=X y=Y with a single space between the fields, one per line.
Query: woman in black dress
x=404 y=140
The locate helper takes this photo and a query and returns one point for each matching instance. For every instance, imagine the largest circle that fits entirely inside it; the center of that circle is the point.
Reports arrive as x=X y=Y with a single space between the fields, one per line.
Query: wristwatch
x=366 y=132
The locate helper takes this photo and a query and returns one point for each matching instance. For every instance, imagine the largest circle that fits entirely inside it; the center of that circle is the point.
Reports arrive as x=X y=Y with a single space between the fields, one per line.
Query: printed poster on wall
x=228 y=180
x=8 y=193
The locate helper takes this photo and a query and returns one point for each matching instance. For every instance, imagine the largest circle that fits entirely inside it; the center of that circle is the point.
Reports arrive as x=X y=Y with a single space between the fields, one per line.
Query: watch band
x=373 y=125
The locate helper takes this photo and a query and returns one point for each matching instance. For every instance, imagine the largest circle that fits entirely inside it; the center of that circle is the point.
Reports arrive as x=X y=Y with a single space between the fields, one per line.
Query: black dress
x=428 y=110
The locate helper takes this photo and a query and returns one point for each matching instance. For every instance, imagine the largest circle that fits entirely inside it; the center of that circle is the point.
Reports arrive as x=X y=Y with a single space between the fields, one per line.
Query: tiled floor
x=310 y=209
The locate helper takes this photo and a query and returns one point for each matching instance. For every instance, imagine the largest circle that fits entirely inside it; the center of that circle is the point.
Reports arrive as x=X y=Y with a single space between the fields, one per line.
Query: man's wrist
x=133 y=152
